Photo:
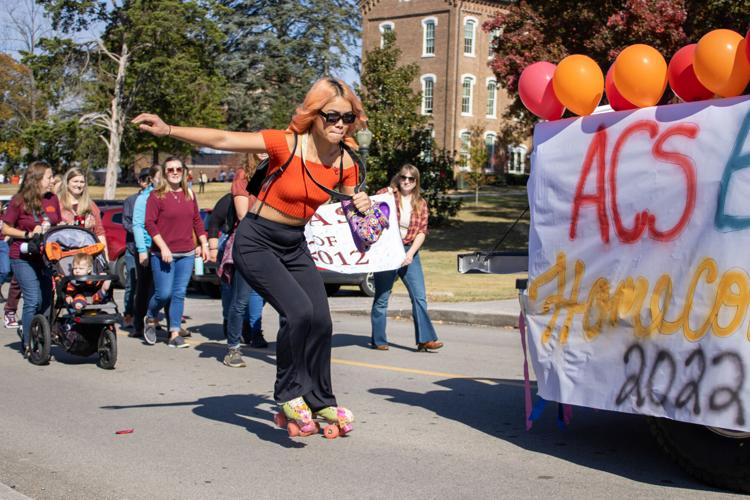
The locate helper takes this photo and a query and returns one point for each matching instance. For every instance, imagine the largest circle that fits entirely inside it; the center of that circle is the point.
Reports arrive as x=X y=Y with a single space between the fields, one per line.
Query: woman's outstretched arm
x=241 y=142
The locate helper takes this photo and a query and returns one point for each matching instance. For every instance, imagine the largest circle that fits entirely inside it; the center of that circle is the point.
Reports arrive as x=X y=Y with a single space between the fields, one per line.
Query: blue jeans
x=36 y=290
x=4 y=262
x=129 y=282
x=413 y=278
x=244 y=300
x=170 y=283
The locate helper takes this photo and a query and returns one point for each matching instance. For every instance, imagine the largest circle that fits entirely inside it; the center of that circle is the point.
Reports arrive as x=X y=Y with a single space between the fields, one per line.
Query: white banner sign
x=639 y=261
x=332 y=247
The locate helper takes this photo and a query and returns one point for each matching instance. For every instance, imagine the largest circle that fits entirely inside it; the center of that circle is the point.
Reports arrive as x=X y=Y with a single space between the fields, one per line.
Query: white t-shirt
x=403 y=222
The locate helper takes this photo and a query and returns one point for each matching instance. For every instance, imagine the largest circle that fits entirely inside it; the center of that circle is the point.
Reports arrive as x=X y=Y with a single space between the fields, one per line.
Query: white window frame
x=473 y=79
x=494 y=35
x=382 y=29
x=425 y=22
x=475 y=22
x=493 y=94
x=494 y=148
x=423 y=79
x=464 y=156
x=517 y=159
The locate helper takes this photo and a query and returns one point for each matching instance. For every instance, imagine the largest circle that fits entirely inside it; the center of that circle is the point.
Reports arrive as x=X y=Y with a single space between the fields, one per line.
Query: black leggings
x=274 y=259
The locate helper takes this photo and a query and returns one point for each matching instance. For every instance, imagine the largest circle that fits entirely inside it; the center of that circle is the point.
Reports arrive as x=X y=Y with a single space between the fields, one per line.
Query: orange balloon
x=641 y=75
x=720 y=63
x=579 y=84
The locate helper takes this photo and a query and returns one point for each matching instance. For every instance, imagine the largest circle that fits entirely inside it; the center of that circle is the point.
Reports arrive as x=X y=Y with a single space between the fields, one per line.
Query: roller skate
x=296 y=417
x=339 y=421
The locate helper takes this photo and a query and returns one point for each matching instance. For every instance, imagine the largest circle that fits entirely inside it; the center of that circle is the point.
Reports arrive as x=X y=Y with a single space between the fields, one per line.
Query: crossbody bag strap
x=359 y=165
x=272 y=177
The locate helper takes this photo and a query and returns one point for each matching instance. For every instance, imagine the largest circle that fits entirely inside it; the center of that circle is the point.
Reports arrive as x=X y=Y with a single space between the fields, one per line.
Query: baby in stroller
x=83 y=314
x=78 y=294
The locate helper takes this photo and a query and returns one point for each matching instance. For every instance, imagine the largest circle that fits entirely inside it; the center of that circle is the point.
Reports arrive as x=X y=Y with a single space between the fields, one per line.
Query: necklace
x=175 y=196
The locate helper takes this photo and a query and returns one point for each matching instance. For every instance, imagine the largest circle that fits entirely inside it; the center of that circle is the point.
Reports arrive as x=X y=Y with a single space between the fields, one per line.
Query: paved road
x=443 y=425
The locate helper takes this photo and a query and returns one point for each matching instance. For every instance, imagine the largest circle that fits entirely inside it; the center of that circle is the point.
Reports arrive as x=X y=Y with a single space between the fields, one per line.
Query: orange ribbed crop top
x=293 y=192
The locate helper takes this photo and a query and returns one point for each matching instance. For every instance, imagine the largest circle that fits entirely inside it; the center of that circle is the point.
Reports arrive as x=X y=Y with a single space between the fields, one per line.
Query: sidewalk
x=495 y=313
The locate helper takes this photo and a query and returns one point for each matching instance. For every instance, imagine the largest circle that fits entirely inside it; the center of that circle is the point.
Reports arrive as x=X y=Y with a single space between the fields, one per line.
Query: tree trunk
x=476 y=194
x=117 y=125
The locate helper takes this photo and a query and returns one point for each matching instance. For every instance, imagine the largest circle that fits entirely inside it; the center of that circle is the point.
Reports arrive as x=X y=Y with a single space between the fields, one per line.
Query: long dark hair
x=30 y=193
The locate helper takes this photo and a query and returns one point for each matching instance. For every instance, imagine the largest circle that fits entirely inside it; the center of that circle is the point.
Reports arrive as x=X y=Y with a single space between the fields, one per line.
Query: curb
x=449 y=316
x=8 y=493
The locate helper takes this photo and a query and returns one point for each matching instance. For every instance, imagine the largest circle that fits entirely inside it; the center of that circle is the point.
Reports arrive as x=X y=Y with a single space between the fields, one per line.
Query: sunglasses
x=408 y=178
x=174 y=170
x=334 y=116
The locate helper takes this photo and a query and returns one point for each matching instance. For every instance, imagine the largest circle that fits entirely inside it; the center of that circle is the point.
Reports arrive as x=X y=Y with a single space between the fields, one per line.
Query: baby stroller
x=81 y=332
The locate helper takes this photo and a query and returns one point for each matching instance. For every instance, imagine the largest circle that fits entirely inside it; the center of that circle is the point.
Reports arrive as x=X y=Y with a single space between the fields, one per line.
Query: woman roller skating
x=270 y=248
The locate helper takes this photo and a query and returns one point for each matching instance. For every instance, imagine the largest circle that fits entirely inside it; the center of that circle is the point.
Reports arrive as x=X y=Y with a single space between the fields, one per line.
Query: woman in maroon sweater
x=172 y=217
x=30 y=212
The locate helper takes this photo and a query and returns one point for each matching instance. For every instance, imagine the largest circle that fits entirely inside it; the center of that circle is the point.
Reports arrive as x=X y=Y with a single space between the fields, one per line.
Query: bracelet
x=26 y=235
x=169 y=134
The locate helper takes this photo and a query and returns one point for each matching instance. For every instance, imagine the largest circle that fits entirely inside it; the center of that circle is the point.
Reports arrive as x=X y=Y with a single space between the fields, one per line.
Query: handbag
x=366 y=227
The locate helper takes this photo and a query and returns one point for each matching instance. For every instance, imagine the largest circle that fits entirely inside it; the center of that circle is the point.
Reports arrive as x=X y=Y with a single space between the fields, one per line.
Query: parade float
x=638 y=262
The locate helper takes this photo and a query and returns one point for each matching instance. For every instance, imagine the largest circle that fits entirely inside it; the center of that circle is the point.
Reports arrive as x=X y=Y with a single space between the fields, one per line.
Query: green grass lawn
x=476 y=228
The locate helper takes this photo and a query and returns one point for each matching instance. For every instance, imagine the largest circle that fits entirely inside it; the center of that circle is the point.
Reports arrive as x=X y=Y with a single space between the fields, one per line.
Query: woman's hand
x=37 y=230
x=152 y=124
x=361 y=202
x=407 y=260
x=166 y=255
x=143 y=259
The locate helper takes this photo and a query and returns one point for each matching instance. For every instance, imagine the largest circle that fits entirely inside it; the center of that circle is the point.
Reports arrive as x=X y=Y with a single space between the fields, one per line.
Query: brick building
x=445 y=38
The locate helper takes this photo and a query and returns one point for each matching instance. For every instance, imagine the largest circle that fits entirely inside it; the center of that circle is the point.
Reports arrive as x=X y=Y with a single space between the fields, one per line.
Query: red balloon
x=682 y=77
x=616 y=100
x=536 y=92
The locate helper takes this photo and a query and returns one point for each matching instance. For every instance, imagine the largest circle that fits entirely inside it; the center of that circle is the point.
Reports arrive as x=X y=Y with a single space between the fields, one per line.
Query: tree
x=138 y=65
x=477 y=159
x=391 y=106
x=400 y=134
x=549 y=31
x=274 y=50
x=15 y=106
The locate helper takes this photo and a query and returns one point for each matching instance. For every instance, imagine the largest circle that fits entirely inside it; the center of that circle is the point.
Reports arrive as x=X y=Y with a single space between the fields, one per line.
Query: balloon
x=616 y=100
x=682 y=77
x=578 y=84
x=720 y=62
x=641 y=75
x=536 y=92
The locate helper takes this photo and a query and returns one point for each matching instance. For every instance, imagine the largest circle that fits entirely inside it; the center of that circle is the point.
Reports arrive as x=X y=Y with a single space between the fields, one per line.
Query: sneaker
x=258 y=341
x=149 y=332
x=234 y=359
x=177 y=342
x=10 y=319
x=184 y=333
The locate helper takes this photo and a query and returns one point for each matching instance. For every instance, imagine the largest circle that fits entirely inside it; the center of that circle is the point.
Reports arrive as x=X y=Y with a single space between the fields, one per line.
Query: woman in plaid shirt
x=412 y=213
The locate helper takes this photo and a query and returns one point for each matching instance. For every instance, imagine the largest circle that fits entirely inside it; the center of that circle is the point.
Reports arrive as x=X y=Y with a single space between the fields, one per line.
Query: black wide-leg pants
x=274 y=259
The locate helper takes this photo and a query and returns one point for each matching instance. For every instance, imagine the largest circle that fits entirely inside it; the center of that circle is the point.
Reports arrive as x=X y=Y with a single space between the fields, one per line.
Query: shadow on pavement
x=612 y=442
x=212 y=331
x=241 y=410
x=217 y=351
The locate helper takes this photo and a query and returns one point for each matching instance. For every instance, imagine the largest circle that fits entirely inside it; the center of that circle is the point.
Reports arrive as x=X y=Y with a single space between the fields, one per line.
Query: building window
x=428 y=38
x=517 y=159
x=385 y=27
x=428 y=93
x=463 y=152
x=491 y=98
x=490 y=140
x=467 y=91
x=494 y=35
x=470 y=31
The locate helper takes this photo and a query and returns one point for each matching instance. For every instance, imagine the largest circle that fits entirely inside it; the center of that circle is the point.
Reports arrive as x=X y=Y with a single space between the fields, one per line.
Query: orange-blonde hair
x=321 y=93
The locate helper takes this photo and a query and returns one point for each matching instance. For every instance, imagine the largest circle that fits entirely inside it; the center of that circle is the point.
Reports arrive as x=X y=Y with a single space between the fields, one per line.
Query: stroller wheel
x=107 y=349
x=40 y=340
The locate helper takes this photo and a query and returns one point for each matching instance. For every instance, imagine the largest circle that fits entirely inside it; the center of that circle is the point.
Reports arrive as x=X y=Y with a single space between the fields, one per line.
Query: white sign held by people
x=639 y=275
x=332 y=246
